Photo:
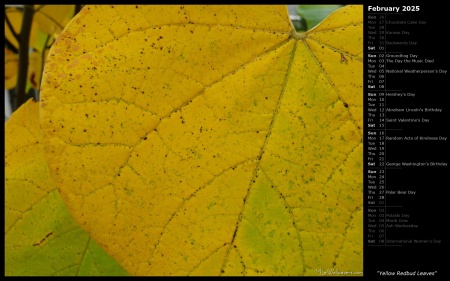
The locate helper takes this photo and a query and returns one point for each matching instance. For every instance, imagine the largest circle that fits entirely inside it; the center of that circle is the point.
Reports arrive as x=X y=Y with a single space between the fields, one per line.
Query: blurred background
x=30 y=31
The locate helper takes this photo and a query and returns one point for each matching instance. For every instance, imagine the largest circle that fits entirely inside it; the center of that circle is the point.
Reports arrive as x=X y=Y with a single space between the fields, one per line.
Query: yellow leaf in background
x=210 y=140
x=41 y=238
x=11 y=68
x=43 y=42
x=34 y=70
x=52 y=19
x=15 y=17
x=48 y=20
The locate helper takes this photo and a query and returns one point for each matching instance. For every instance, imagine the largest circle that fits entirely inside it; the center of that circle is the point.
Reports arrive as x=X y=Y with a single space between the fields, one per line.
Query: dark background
x=429 y=207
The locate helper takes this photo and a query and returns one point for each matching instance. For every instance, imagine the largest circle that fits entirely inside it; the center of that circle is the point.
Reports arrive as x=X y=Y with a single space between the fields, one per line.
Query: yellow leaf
x=34 y=70
x=41 y=238
x=43 y=42
x=15 y=17
x=52 y=19
x=210 y=140
x=49 y=19
x=11 y=68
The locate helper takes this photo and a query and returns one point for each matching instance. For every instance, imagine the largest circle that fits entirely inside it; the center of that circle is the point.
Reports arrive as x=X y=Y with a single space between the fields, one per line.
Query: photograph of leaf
x=191 y=140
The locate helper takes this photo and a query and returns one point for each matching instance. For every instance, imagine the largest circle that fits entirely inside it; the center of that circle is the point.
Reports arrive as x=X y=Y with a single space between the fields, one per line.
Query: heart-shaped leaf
x=210 y=140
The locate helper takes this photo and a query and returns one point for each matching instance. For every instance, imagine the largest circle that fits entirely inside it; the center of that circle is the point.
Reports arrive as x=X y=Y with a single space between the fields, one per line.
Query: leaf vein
x=262 y=151
x=328 y=79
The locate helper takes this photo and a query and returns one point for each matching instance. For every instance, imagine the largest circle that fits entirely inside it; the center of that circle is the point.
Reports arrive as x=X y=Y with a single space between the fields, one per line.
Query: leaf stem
x=52 y=20
x=11 y=28
x=39 y=8
x=44 y=49
x=10 y=46
x=298 y=36
x=24 y=43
